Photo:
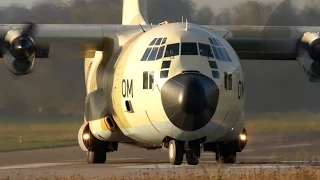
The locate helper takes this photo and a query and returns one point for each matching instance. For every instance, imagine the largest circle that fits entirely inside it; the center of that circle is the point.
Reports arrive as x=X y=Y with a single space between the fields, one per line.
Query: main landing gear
x=94 y=157
x=96 y=150
x=226 y=152
x=177 y=150
x=225 y=156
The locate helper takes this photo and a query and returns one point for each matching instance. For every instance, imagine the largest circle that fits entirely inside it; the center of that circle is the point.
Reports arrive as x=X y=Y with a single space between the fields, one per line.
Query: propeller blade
x=29 y=29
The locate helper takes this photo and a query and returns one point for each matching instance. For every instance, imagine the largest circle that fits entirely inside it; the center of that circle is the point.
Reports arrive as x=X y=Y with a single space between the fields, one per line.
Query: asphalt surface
x=264 y=150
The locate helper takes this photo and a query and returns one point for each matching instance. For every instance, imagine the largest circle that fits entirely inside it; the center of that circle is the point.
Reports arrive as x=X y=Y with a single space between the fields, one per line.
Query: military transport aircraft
x=179 y=86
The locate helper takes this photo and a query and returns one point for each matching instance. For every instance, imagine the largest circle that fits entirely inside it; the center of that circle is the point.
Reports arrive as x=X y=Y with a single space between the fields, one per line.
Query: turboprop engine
x=309 y=55
x=18 y=50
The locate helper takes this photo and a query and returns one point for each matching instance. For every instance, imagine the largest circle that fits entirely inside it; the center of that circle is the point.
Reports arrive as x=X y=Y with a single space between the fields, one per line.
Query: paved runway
x=265 y=151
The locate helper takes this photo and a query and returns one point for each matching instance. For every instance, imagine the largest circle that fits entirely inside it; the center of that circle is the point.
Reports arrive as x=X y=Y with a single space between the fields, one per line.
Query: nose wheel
x=193 y=153
x=176 y=151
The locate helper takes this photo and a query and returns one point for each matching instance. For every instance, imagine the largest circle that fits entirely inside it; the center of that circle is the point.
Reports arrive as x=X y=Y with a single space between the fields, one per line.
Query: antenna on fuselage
x=142 y=28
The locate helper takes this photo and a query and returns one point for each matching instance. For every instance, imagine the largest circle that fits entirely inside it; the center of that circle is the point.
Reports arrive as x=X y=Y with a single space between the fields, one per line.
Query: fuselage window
x=172 y=50
x=215 y=74
x=146 y=54
x=164 y=74
x=153 y=41
x=158 y=41
x=205 y=50
x=227 y=81
x=189 y=49
x=160 y=53
x=153 y=54
x=164 y=41
x=213 y=65
x=148 y=80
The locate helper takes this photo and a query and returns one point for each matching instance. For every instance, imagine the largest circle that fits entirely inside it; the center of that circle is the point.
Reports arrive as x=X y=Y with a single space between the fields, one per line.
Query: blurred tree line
x=109 y=12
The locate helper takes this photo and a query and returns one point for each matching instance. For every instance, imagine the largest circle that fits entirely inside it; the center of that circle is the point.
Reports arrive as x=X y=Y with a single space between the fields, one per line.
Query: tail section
x=134 y=12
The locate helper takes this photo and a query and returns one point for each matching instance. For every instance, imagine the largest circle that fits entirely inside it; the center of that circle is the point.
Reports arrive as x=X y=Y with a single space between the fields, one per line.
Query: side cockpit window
x=153 y=41
x=146 y=54
x=153 y=54
x=205 y=50
x=160 y=53
x=155 y=50
x=159 y=41
x=189 y=49
x=219 y=50
x=172 y=50
x=164 y=41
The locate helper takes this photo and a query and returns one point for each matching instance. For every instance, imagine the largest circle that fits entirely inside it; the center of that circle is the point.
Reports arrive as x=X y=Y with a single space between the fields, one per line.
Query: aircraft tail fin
x=134 y=12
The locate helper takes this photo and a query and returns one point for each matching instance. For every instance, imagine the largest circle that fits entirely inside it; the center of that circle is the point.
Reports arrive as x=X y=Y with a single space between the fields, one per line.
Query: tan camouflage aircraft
x=179 y=85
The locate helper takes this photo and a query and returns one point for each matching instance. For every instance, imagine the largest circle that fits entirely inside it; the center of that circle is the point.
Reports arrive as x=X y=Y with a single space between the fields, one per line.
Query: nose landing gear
x=177 y=150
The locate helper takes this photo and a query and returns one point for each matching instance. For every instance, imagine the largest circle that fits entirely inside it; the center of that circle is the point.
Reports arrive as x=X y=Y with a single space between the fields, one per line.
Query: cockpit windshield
x=157 y=50
x=172 y=50
x=189 y=48
x=205 y=50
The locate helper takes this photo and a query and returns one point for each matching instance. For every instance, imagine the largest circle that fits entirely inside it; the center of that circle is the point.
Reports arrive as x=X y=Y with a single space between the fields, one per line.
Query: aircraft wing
x=22 y=43
x=265 y=43
x=93 y=37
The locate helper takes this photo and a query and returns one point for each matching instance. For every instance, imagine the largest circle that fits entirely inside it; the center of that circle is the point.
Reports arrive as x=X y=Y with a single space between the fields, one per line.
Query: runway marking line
x=290 y=146
x=33 y=166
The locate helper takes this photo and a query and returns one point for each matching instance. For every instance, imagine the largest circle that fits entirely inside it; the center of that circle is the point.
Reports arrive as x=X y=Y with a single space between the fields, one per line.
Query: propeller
x=18 y=48
x=22 y=46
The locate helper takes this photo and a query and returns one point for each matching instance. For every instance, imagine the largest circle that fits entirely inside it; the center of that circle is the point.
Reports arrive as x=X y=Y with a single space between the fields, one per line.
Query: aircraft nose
x=190 y=100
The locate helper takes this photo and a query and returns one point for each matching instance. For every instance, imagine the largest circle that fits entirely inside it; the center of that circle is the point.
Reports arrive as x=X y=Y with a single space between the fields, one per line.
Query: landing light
x=243 y=137
x=86 y=136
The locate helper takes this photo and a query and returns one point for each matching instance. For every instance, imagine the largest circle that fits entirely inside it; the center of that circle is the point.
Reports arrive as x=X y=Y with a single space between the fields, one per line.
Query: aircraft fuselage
x=175 y=81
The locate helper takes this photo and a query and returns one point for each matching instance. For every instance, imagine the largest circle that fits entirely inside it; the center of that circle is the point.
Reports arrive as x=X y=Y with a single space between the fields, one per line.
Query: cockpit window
x=153 y=41
x=221 y=54
x=189 y=49
x=153 y=54
x=172 y=50
x=226 y=54
x=219 y=50
x=205 y=50
x=160 y=53
x=146 y=54
x=217 y=42
x=158 y=41
x=164 y=41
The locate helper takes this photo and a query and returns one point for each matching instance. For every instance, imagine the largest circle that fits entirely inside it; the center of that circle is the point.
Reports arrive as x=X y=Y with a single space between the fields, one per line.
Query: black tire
x=226 y=157
x=96 y=157
x=192 y=157
x=193 y=154
x=176 y=151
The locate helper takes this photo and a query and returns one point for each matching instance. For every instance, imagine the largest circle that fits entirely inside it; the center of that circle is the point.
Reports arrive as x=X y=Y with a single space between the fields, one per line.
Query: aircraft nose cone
x=190 y=100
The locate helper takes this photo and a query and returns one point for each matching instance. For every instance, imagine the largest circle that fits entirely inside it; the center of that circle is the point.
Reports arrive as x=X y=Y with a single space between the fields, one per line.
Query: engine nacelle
x=309 y=55
x=18 y=52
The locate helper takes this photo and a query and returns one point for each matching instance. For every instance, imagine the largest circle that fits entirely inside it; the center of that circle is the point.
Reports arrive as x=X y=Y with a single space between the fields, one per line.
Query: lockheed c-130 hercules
x=179 y=86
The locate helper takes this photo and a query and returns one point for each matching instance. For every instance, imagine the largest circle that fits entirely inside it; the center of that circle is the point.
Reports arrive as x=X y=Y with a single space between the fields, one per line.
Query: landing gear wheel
x=176 y=151
x=192 y=157
x=193 y=154
x=96 y=157
x=226 y=157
